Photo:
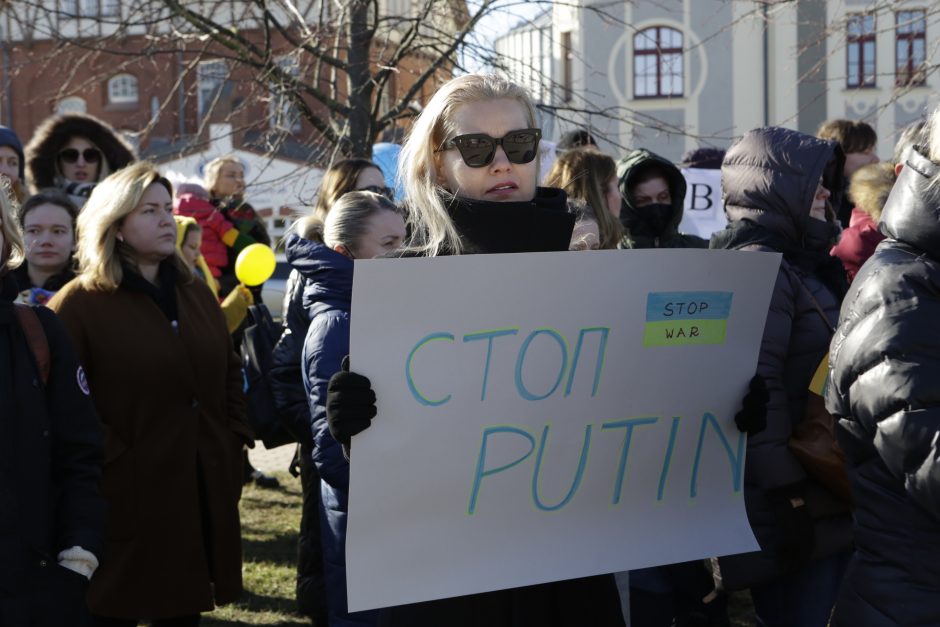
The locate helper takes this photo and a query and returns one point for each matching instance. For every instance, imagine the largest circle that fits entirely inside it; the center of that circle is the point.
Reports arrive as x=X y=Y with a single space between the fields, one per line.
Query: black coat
x=885 y=390
x=287 y=383
x=51 y=451
x=769 y=180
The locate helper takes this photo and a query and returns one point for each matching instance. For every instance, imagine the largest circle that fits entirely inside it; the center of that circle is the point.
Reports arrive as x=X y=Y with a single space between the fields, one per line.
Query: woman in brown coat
x=168 y=387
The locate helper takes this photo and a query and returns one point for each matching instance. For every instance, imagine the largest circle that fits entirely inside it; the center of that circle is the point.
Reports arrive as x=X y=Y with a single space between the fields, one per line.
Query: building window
x=110 y=8
x=122 y=89
x=284 y=113
x=860 y=51
x=911 y=61
x=72 y=104
x=69 y=7
x=210 y=76
x=657 y=63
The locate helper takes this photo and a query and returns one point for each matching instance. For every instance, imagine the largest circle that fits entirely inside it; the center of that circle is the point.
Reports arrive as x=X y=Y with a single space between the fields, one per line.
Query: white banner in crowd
x=549 y=416
x=703 y=213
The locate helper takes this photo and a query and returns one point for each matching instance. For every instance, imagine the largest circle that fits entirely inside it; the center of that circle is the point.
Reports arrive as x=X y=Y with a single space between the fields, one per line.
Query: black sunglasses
x=388 y=192
x=70 y=155
x=478 y=149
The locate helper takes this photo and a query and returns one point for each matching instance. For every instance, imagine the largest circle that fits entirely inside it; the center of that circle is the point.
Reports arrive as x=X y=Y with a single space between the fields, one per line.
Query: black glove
x=752 y=419
x=350 y=404
x=796 y=535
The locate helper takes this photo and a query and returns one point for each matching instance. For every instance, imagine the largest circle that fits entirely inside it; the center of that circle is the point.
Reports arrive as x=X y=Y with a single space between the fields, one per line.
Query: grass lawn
x=270 y=520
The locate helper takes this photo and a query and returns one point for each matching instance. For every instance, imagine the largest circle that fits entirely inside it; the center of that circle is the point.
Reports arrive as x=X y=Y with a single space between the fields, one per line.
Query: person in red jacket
x=218 y=234
x=869 y=191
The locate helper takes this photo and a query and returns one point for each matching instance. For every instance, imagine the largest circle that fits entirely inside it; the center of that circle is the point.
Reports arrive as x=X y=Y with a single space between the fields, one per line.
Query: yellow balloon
x=255 y=264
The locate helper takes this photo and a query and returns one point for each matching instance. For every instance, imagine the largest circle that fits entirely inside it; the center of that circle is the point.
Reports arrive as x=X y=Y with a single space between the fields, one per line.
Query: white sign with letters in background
x=547 y=416
x=703 y=212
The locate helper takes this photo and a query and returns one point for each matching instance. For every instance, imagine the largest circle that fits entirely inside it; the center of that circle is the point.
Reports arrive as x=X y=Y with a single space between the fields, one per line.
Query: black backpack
x=257 y=346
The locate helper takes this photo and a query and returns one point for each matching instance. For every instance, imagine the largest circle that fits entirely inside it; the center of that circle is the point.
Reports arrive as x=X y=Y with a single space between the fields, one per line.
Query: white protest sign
x=547 y=416
x=703 y=212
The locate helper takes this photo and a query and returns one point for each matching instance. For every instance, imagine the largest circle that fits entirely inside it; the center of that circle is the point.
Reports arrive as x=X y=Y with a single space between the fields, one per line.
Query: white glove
x=78 y=560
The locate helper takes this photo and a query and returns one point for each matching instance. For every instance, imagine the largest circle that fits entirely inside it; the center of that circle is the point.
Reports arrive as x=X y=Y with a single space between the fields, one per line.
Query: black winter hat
x=704 y=158
x=9 y=138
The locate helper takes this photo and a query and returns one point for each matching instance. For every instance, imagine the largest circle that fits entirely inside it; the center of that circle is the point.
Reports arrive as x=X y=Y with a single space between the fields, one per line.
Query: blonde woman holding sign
x=470 y=174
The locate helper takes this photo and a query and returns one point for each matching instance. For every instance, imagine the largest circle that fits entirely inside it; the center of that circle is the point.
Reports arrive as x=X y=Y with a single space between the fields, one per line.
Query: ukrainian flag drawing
x=683 y=318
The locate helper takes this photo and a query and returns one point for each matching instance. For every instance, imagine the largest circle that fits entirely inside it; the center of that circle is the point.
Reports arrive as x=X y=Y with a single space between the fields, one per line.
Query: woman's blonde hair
x=213 y=170
x=13 y=251
x=348 y=219
x=432 y=230
x=584 y=173
x=338 y=180
x=99 y=252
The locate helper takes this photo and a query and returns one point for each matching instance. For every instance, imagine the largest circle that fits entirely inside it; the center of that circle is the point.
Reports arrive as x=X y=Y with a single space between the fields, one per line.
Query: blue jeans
x=805 y=598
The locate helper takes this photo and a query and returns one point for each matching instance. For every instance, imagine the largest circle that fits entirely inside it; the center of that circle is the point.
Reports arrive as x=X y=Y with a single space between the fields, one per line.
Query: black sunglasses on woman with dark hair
x=479 y=149
x=70 y=155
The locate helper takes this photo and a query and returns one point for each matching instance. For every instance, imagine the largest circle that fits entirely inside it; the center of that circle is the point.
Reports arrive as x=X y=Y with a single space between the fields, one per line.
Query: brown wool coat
x=173 y=411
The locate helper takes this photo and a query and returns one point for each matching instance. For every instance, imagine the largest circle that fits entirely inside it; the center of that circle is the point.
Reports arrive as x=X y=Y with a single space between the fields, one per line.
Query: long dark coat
x=173 y=410
x=885 y=390
x=51 y=449
x=769 y=180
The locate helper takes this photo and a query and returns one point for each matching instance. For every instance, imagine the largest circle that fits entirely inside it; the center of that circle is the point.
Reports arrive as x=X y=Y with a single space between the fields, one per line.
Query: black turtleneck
x=164 y=294
x=540 y=225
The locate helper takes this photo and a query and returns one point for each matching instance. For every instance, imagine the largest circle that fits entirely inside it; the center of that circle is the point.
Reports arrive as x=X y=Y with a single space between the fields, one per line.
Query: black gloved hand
x=752 y=419
x=796 y=536
x=350 y=404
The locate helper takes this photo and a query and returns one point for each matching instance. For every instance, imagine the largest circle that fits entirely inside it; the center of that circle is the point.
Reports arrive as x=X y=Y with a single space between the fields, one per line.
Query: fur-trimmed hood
x=54 y=132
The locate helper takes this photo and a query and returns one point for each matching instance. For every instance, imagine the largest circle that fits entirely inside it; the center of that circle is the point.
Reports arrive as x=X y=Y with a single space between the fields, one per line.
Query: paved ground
x=271 y=460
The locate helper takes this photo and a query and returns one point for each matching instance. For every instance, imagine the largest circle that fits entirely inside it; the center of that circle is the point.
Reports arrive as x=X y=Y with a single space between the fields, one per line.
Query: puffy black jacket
x=287 y=380
x=884 y=389
x=769 y=181
x=51 y=451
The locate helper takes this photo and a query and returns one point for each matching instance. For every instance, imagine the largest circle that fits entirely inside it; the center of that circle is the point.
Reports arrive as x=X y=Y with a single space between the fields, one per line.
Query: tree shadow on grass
x=278 y=548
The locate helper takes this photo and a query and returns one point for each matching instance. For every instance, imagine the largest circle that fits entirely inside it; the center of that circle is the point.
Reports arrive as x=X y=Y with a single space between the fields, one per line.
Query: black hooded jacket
x=638 y=233
x=769 y=181
x=883 y=388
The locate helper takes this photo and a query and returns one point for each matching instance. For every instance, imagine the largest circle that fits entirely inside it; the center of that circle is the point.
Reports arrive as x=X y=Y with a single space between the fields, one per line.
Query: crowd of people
x=123 y=427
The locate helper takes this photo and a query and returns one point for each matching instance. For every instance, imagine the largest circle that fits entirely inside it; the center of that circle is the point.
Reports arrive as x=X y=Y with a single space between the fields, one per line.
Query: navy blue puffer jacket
x=327 y=294
x=885 y=389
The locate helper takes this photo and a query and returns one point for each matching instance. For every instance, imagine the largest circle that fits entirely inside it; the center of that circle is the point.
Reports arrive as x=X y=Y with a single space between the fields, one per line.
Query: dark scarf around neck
x=540 y=225
x=164 y=294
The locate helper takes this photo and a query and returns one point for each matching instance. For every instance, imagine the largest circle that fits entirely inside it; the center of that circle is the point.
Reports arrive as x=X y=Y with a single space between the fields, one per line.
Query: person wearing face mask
x=470 y=176
x=168 y=388
x=653 y=193
x=72 y=152
x=12 y=162
x=779 y=188
x=48 y=223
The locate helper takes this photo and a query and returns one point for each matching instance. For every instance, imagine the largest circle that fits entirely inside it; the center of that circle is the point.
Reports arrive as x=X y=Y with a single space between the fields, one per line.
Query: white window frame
x=72 y=104
x=123 y=89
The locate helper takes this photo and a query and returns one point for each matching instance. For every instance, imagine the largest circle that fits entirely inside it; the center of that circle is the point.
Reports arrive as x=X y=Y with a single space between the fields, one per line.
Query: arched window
x=122 y=89
x=657 y=63
x=72 y=104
